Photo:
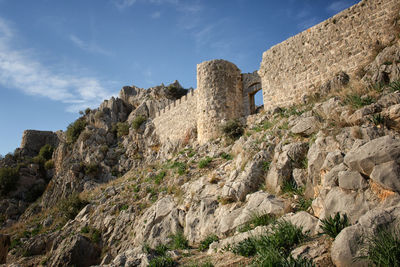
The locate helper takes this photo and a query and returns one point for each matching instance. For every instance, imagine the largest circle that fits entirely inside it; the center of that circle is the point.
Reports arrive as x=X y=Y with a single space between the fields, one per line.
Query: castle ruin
x=289 y=71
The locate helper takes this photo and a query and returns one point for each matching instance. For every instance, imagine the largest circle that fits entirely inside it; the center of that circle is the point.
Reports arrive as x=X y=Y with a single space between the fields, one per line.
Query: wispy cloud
x=20 y=70
x=89 y=47
x=337 y=6
x=123 y=4
x=307 y=23
x=156 y=15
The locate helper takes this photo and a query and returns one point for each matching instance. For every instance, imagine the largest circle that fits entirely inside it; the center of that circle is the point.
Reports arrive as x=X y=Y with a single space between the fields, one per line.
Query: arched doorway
x=255 y=97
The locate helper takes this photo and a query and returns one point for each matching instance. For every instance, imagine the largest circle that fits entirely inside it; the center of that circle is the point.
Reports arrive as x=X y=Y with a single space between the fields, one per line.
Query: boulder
x=247 y=181
x=351 y=180
x=304 y=220
x=351 y=241
x=317 y=250
x=387 y=175
x=364 y=158
x=305 y=126
x=75 y=250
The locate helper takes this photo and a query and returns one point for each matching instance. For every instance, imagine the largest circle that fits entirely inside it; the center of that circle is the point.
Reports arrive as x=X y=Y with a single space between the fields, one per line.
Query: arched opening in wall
x=255 y=98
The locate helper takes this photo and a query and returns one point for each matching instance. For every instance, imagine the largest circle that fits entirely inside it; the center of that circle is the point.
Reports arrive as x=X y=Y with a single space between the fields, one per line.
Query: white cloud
x=89 y=47
x=156 y=15
x=337 y=6
x=20 y=70
x=122 y=4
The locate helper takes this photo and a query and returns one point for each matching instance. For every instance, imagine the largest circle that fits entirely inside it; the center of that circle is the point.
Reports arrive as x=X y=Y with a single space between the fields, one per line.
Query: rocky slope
x=116 y=196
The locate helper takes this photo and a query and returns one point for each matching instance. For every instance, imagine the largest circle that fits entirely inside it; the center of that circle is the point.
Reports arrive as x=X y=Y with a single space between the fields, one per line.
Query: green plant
x=303 y=204
x=70 y=207
x=46 y=152
x=123 y=207
x=383 y=248
x=91 y=169
x=266 y=165
x=8 y=179
x=272 y=248
x=178 y=241
x=290 y=187
x=122 y=129
x=48 y=165
x=205 y=243
x=332 y=226
x=357 y=101
x=180 y=166
x=159 y=177
x=226 y=156
x=232 y=129
x=85 y=230
x=75 y=129
x=138 y=121
x=99 y=114
x=161 y=261
x=257 y=219
x=394 y=86
x=205 y=162
x=267 y=124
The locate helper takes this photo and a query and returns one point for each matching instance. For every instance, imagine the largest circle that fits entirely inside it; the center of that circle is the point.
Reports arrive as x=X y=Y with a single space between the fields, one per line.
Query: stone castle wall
x=176 y=119
x=219 y=87
x=303 y=63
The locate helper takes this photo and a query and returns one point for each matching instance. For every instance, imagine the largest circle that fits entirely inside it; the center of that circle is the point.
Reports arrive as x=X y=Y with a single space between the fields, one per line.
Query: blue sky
x=60 y=56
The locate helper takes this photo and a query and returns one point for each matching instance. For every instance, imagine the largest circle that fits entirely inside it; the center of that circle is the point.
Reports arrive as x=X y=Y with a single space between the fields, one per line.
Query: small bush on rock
x=71 y=206
x=333 y=225
x=46 y=152
x=122 y=129
x=49 y=165
x=205 y=244
x=8 y=179
x=138 y=121
x=233 y=129
x=179 y=241
x=75 y=129
x=204 y=162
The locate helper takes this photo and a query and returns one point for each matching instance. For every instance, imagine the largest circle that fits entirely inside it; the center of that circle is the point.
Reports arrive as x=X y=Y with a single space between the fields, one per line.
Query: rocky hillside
x=315 y=184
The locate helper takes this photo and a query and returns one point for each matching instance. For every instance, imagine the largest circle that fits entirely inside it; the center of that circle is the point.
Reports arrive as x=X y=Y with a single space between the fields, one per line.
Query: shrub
x=303 y=204
x=180 y=166
x=99 y=114
x=159 y=177
x=8 y=179
x=205 y=244
x=333 y=225
x=205 y=162
x=48 y=165
x=46 y=152
x=257 y=219
x=122 y=129
x=87 y=111
x=357 y=101
x=232 y=129
x=266 y=165
x=273 y=248
x=179 y=241
x=394 y=86
x=226 y=156
x=71 y=206
x=290 y=187
x=161 y=261
x=138 y=121
x=75 y=129
x=91 y=169
x=383 y=249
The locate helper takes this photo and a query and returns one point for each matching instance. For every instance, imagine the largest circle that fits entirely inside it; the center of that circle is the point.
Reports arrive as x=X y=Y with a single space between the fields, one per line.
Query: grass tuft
x=332 y=226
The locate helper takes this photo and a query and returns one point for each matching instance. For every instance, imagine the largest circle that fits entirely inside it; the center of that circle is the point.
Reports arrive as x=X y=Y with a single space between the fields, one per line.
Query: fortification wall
x=303 y=63
x=174 y=121
x=251 y=84
x=220 y=97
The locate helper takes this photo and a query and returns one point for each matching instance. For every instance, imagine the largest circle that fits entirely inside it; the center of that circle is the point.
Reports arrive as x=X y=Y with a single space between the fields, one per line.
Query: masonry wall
x=345 y=42
x=251 y=84
x=175 y=120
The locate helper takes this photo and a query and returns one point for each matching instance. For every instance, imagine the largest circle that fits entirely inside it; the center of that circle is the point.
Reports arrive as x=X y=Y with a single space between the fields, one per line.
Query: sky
x=58 y=57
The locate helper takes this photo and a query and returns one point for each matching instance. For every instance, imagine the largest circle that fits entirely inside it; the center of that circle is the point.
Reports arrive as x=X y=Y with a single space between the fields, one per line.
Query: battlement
x=176 y=104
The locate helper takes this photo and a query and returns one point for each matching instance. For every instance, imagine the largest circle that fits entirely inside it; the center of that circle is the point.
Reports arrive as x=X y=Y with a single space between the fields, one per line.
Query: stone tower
x=219 y=97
